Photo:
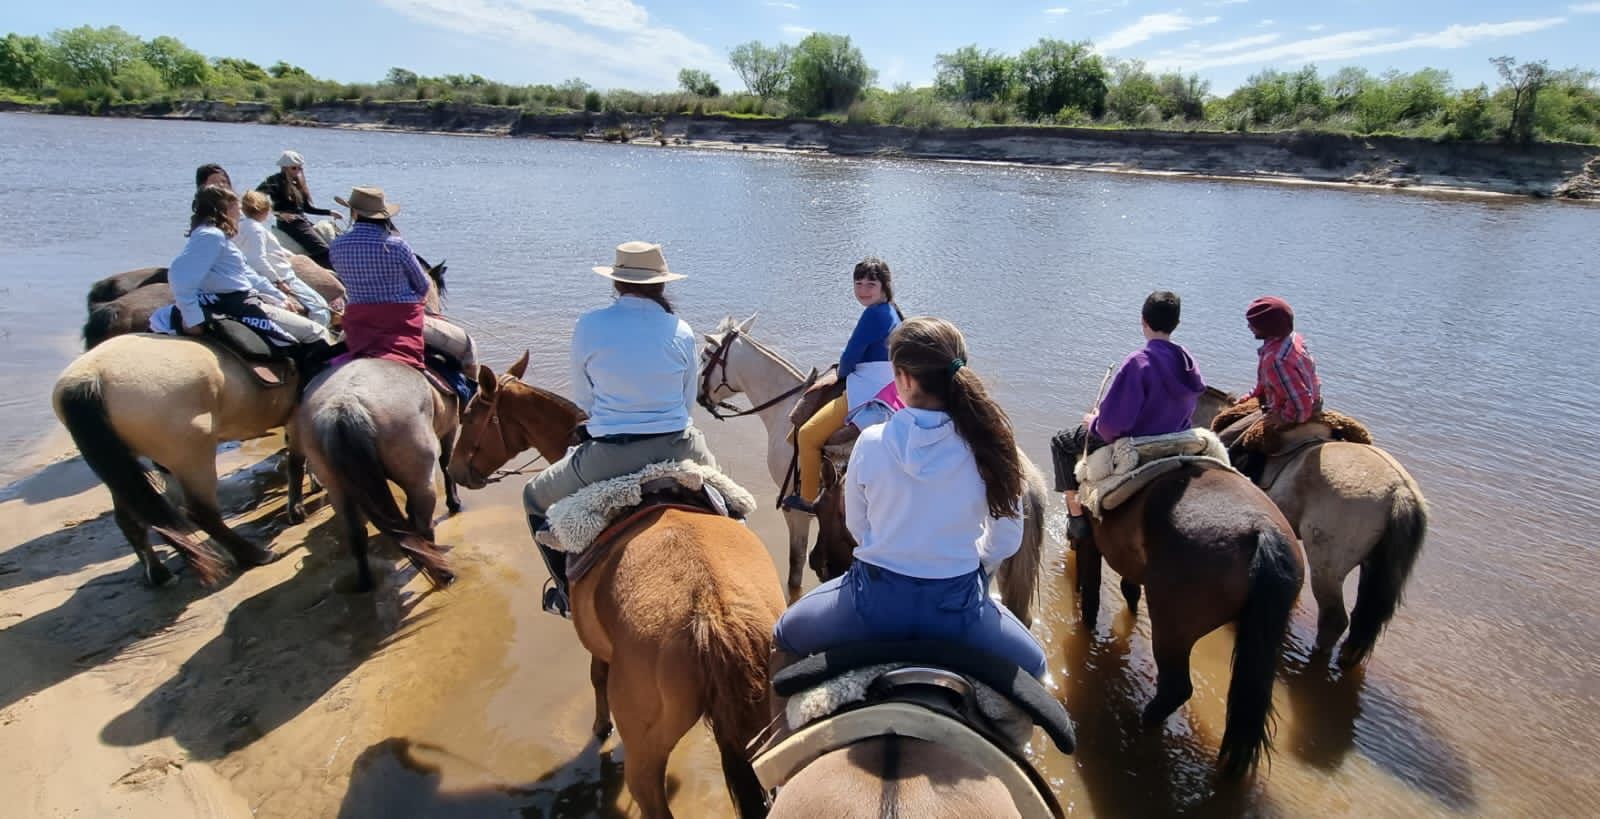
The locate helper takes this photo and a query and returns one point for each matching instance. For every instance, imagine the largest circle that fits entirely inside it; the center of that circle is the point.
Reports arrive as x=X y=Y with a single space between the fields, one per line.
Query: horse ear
x=744 y=326
x=486 y=380
x=520 y=367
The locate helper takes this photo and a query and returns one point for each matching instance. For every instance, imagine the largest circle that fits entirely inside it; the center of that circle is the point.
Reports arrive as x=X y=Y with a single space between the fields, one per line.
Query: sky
x=641 y=44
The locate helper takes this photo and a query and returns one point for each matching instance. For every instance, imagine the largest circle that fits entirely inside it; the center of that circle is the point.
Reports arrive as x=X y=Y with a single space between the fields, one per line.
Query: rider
x=634 y=371
x=1286 y=375
x=291 y=200
x=934 y=497
x=210 y=278
x=1154 y=393
x=211 y=174
x=864 y=365
x=267 y=257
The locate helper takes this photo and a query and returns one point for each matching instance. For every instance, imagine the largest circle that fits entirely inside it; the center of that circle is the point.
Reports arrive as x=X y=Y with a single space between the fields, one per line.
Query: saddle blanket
x=578 y=519
x=851 y=687
x=1115 y=472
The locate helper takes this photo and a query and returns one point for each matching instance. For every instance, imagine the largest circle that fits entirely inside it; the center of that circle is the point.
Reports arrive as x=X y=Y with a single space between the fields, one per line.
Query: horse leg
x=1173 y=686
x=294 y=509
x=1331 y=617
x=799 y=536
x=1130 y=593
x=452 y=499
x=598 y=672
x=155 y=573
x=653 y=711
x=1088 y=565
x=199 y=483
x=355 y=538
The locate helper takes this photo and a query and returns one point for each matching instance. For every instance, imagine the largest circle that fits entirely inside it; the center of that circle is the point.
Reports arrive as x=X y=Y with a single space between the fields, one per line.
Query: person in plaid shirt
x=1286 y=374
x=384 y=283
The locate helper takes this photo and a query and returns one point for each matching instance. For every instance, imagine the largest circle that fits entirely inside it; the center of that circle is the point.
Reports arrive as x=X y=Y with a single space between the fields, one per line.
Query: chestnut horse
x=678 y=615
x=1210 y=549
x=1352 y=505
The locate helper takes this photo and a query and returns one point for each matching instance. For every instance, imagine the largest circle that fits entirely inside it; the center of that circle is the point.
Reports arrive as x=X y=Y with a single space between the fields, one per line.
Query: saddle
x=1260 y=437
x=1112 y=474
x=586 y=523
x=270 y=365
x=978 y=705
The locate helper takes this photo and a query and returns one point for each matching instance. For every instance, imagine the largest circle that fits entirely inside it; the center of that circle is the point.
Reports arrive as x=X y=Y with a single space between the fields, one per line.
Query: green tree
x=827 y=73
x=1524 y=82
x=970 y=75
x=138 y=80
x=1469 y=115
x=235 y=69
x=179 y=65
x=1133 y=95
x=698 y=83
x=1569 y=107
x=23 y=62
x=1055 y=74
x=764 y=70
x=1183 y=96
x=87 y=56
x=401 y=78
x=281 y=70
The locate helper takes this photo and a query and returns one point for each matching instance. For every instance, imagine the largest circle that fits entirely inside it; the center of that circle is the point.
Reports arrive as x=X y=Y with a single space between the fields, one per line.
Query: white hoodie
x=916 y=505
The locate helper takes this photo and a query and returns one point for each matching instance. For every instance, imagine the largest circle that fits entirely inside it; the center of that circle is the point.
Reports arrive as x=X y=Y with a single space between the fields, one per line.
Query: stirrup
x=796 y=503
x=555 y=601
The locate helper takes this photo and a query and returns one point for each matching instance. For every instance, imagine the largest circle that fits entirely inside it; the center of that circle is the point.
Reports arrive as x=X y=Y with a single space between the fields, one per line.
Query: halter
x=471 y=438
x=718 y=356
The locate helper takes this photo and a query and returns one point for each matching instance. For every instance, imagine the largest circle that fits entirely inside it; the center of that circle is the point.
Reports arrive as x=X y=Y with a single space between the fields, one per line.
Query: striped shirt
x=377 y=267
x=1286 y=379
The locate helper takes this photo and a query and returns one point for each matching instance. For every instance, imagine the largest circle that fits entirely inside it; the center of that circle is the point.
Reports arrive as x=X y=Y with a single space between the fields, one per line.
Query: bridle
x=471 y=438
x=717 y=362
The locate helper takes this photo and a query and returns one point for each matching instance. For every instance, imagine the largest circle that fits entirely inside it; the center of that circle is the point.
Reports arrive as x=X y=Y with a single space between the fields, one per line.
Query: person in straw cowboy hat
x=384 y=283
x=635 y=372
x=291 y=200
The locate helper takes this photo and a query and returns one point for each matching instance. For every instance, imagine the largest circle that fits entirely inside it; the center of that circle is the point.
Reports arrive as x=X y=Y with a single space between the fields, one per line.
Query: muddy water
x=1462 y=330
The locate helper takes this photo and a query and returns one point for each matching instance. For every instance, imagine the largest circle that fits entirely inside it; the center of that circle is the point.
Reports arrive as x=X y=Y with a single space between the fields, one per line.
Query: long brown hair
x=211 y=206
x=877 y=269
x=654 y=292
x=295 y=186
x=933 y=353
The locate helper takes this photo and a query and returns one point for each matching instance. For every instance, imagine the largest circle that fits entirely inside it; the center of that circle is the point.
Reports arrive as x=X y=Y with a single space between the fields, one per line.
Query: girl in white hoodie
x=934 y=498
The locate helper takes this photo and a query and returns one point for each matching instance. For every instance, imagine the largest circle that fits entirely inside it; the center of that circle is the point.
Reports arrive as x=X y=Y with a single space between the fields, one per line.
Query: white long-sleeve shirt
x=634 y=368
x=210 y=263
x=916 y=505
x=263 y=252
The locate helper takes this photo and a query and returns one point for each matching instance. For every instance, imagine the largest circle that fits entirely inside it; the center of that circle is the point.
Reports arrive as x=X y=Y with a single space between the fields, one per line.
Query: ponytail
x=654 y=292
x=933 y=353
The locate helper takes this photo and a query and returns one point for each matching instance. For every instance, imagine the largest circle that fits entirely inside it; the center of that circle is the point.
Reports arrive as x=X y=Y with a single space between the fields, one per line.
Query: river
x=1457 y=328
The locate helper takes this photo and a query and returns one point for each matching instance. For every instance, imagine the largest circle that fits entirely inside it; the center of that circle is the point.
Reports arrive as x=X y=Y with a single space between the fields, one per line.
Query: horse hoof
x=255 y=557
x=602 y=729
x=158 y=576
x=452 y=506
x=296 y=515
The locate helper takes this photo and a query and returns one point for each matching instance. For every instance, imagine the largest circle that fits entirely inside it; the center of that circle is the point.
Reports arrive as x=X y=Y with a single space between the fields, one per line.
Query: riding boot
x=555 y=599
x=1079 y=532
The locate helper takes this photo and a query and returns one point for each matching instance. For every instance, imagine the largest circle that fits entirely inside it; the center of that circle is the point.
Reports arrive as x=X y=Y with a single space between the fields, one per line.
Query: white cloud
x=613 y=40
x=1314 y=27
x=791 y=6
x=1218 y=3
x=1267 y=23
x=1152 y=25
x=1348 y=44
x=1239 y=44
x=1584 y=8
x=798 y=31
x=1106 y=6
x=1058 y=11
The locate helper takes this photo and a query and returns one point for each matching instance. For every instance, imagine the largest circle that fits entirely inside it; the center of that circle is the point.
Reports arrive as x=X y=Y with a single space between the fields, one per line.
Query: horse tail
x=102 y=318
x=1018 y=577
x=1275 y=579
x=81 y=405
x=1385 y=570
x=349 y=440
x=731 y=642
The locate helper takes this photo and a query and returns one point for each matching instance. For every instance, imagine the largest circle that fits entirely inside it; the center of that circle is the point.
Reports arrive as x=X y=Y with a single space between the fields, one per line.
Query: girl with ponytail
x=934 y=498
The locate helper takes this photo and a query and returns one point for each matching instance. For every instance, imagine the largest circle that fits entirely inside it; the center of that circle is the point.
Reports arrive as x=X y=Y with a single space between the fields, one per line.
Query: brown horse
x=136 y=295
x=1352 y=505
x=1210 y=549
x=365 y=423
x=678 y=615
x=893 y=776
x=1017 y=579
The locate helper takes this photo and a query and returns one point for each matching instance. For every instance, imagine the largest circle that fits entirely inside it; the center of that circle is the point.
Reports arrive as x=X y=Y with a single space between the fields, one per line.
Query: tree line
x=825 y=75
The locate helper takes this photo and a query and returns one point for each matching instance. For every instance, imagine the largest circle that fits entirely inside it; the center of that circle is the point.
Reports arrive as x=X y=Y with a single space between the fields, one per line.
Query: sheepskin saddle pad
x=580 y=519
x=1115 y=472
x=1324 y=425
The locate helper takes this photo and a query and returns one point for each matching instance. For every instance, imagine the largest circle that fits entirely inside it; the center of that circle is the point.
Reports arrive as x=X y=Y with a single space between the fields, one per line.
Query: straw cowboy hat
x=368 y=202
x=639 y=263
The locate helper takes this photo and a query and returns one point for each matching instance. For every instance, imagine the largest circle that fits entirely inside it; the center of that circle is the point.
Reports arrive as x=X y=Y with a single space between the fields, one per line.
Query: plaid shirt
x=377 y=267
x=1286 y=379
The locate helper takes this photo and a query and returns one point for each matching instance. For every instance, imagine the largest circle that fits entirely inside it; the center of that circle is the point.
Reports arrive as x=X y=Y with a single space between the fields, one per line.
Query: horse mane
x=559 y=400
x=1219 y=394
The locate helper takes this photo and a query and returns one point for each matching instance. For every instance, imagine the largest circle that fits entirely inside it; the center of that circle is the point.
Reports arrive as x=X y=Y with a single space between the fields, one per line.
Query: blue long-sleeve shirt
x=210 y=263
x=870 y=340
x=634 y=369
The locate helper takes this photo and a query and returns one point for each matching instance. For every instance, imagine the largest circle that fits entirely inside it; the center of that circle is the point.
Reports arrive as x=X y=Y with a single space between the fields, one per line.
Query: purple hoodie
x=1153 y=394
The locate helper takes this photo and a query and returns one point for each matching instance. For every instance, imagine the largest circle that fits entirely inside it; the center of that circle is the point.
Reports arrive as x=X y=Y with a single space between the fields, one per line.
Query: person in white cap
x=635 y=372
x=291 y=201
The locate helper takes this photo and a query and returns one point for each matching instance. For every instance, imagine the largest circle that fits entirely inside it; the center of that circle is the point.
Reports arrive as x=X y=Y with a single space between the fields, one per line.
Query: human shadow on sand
x=1335 y=713
x=279 y=651
x=399 y=777
x=1126 y=768
x=58 y=480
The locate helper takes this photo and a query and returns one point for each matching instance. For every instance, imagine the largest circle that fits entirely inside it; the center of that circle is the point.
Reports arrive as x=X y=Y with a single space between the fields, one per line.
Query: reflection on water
x=1462 y=331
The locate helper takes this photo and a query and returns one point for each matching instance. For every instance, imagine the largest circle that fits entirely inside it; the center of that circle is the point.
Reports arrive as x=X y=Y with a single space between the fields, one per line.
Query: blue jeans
x=871 y=603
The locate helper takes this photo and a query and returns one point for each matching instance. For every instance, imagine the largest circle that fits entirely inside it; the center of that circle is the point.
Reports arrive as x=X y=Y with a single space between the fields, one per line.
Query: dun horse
x=678 y=615
x=1352 y=505
x=892 y=777
x=1210 y=549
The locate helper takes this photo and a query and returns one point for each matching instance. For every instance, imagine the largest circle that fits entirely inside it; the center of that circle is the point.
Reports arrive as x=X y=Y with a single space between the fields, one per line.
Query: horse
x=894 y=776
x=677 y=616
x=1351 y=505
x=1017 y=577
x=360 y=425
x=130 y=309
x=1209 y=548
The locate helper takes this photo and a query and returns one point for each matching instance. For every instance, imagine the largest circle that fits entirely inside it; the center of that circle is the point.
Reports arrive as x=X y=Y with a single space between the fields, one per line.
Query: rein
x=719 y=357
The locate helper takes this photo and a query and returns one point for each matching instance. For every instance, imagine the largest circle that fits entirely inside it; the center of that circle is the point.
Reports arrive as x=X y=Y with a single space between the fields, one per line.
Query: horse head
x=835 y=549
x=722 y=371
x=506 y=418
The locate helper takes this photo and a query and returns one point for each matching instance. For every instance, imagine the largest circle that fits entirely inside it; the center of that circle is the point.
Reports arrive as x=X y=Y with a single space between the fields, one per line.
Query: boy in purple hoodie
x=1153 y=394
